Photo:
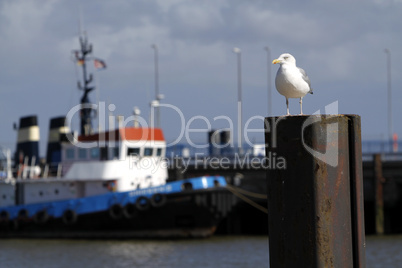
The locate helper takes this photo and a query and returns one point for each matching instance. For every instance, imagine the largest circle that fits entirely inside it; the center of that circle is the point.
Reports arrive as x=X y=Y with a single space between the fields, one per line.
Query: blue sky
x=339 y=43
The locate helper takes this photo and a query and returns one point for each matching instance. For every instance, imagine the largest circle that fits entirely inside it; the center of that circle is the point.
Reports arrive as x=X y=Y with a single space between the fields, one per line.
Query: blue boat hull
x=179 y=213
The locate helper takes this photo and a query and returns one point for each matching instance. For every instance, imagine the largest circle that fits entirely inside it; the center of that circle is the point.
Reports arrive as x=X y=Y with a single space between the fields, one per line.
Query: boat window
x=103 y=153
x=70 y=153
x=82 y=153
x=133 y=151
x=159 y=152
x=95 y=153
x=116 y=152
x=148 y=151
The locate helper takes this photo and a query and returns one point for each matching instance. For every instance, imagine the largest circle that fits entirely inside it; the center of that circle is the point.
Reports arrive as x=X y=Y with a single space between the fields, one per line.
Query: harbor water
x=217 y=251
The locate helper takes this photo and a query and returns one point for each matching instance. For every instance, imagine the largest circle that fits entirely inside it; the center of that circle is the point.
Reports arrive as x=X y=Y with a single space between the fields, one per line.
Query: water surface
x=218 y=251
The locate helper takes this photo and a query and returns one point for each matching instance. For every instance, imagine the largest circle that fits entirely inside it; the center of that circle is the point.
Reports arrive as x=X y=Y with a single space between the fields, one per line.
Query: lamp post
x=269 y=80
x=155 y=47
x=239 y=101
x=388 y=52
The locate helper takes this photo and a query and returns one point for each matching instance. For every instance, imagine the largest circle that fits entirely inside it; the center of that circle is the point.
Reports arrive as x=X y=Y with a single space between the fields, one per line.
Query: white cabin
x=132 y=157
x=114 y=161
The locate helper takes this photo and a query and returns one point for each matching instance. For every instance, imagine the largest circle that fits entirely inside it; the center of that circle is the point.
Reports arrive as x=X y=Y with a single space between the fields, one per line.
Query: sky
x=340 y=44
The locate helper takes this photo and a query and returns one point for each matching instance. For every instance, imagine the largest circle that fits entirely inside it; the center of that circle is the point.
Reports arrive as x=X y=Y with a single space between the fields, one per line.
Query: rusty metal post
x=315 y=200
x=357 y=198
x=379 y=200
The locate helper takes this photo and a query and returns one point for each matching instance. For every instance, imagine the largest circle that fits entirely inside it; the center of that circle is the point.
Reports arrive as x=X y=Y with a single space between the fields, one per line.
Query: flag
x=99 y=64
x=80 y=62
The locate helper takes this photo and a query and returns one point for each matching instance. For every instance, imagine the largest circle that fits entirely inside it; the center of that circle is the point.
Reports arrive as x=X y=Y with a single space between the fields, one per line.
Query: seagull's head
x=285 y=58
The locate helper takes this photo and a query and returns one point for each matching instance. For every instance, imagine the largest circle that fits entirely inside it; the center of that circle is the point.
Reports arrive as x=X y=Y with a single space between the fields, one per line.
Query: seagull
x=291 y=81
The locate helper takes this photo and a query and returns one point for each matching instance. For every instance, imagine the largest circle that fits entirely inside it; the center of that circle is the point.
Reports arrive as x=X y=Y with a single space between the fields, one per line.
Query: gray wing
x=305 y=78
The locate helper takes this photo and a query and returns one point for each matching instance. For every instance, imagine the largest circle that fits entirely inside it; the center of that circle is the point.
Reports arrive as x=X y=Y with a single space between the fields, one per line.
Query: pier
x=248 y=172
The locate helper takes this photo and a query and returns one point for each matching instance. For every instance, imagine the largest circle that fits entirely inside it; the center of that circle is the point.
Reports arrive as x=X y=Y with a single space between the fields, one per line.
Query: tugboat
x=109 y=184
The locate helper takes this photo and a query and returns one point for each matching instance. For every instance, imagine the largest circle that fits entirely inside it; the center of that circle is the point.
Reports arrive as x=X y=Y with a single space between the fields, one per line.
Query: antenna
x=81 y=59
x=80 y=20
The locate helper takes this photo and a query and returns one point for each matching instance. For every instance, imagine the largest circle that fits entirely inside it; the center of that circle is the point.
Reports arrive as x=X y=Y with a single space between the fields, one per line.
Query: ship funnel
x=57 y=132
x=27 y=140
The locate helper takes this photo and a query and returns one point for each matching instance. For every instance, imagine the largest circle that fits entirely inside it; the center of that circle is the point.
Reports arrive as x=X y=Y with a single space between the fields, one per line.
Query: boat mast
x=81 y=58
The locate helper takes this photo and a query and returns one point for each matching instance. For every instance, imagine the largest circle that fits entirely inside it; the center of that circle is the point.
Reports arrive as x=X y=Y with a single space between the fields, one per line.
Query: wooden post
x=315 y=202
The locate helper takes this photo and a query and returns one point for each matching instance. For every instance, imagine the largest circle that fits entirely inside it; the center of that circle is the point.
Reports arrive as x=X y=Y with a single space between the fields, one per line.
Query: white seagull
x=291 y=81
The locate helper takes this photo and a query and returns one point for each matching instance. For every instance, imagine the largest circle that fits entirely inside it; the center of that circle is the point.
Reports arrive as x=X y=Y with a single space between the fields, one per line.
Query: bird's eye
x=286 y=57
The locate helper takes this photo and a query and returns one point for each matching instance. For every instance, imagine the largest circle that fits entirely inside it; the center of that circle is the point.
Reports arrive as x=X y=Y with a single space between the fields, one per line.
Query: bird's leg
x=287 y=106
x=301 y=103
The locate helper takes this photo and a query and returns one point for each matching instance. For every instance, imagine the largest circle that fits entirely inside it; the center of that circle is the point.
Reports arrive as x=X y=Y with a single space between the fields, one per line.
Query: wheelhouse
x=116 y=145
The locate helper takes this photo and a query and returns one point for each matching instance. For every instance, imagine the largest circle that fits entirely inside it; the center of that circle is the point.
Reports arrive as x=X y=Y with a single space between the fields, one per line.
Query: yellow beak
x=276 y=61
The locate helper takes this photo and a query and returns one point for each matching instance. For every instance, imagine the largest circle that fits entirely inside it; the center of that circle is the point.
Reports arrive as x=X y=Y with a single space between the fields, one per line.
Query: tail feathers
x=311 y=91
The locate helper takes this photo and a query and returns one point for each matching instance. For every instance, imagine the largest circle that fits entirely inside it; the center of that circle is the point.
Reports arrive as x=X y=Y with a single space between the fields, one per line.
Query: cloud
x=340 y=45
x=22 y=21
x=196 y=20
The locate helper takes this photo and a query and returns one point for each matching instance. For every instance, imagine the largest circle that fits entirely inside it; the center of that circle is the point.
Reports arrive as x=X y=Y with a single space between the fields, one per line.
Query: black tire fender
x=158 y=200
x=69 y=217
x=41 y=216
x=142 y=203
x=4 y=216
x=23 y=214
x=116 y=211
x=129 y=210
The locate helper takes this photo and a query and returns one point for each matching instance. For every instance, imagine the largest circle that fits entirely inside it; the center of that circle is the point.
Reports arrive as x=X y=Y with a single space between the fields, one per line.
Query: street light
x=155 y=47
x=269 y=80
x=239 y=100
x=388 y=52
